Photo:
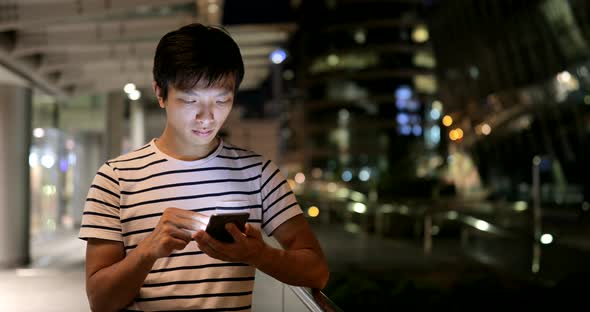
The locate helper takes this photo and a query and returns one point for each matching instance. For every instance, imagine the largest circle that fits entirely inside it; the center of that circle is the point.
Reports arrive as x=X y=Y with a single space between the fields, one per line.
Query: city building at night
x=365 y=111
x=514 y=78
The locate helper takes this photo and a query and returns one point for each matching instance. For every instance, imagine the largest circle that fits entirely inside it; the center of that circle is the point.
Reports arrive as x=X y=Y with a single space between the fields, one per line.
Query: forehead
x=205 y=91
x=224 y=84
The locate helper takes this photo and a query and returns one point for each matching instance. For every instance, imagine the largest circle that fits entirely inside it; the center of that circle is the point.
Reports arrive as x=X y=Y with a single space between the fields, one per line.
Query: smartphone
x=216 y=225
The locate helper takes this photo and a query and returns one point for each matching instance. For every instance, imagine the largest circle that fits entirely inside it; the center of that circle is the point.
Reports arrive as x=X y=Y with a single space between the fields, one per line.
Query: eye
x=187 y=101
x=224 y=101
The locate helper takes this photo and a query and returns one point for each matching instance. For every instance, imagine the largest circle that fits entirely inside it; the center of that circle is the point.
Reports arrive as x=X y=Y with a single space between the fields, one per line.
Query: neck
x=175 y=148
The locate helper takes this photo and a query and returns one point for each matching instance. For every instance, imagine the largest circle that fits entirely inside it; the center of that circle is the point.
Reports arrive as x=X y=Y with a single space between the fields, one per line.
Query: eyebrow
x=191 y=92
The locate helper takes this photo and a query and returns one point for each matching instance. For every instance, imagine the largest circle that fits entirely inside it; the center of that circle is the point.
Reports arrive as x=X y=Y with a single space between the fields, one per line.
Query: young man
x=146 y=211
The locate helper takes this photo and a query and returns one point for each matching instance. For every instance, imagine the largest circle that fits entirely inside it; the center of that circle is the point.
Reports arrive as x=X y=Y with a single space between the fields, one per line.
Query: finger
x=177 y=244
x=188 y=219
x=196 y=216
x=210 y=251
x=204 y=238
x=251 y=231
x=187 y=223
x=207 y=244
x=200 y=237
x=181 y=244
x=235 y=232
x=181 y=234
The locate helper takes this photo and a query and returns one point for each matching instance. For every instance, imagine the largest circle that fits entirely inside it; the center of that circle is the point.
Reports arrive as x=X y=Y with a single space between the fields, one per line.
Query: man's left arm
x=301 y=262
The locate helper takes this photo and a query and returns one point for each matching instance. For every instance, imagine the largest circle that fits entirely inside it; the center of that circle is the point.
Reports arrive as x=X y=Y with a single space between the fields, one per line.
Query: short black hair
x=196 y=54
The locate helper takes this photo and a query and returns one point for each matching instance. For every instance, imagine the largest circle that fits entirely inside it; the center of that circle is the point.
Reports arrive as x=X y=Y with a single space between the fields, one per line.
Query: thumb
x=251 y=231
x=234 y=232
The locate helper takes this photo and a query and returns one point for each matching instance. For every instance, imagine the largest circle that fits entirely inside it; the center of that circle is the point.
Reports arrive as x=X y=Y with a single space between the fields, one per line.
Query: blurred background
x=436 y=147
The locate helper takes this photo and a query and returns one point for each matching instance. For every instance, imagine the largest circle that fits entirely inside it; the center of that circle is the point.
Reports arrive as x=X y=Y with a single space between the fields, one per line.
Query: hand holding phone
x=216 y=225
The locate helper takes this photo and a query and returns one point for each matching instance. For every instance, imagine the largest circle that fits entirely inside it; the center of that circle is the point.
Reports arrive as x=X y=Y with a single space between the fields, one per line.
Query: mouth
x=203 y=133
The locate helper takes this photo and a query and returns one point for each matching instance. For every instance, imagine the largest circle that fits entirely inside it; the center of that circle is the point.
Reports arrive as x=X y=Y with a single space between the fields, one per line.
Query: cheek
x=181 y=115
x=220 y=118
x=222 y=114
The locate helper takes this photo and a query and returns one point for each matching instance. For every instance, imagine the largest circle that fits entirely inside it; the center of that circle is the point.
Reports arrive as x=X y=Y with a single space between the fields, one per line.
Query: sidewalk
x=54 y=282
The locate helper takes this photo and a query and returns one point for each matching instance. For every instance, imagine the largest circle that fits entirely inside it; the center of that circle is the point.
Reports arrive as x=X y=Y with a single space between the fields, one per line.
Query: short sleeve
x=279 y=204
x=101 y=218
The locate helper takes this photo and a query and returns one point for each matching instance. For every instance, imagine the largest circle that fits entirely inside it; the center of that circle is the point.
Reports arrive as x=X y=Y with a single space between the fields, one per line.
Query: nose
x=205 y=115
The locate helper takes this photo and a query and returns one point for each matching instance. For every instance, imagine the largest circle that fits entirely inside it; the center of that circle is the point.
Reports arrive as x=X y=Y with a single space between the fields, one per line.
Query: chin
x=203 y=140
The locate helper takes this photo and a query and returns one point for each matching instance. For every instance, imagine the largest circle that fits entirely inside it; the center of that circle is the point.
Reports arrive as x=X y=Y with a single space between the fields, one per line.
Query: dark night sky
x=257 y=11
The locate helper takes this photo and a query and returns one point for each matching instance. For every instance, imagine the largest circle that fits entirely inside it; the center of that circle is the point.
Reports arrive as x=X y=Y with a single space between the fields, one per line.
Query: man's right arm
x=113 y=280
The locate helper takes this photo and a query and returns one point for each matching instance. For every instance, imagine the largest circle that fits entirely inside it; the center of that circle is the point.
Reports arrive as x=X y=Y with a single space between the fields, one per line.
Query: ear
x=158 y=93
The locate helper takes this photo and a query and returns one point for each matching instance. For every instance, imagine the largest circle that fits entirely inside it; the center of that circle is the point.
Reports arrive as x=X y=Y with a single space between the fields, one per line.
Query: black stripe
x=276 y=201
x=234 y=148
x=107 y=177
x=130 y=159
x=137 y=232
x=264 y=167
x=187 y=197
x=190 y=183
x=207 y=280
x=270 y=178
x=237 y=157
x=160 y=213
x=100 y=214
x=142 y=148
x=101 y=202
x=204 y=209
x=273 y=190
x=142 y=167
x=238 y=208
x=248 y=307
x=189 y=170
x=278 y=213
x=196 y=267
x=98 y=187
x=100 y=227
x=245 y=293
x=182 y=254
x=142 y=217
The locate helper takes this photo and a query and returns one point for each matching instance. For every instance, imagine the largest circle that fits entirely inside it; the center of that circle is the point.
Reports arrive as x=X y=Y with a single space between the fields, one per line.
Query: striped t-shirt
x=129 y=194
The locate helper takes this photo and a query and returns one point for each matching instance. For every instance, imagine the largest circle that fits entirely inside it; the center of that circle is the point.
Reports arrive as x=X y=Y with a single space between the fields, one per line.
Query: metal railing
x=314 y=299
x=272 y=295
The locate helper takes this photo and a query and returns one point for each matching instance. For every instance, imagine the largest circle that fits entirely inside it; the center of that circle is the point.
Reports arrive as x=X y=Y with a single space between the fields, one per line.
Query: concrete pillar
x=15 y=141
x=137 y=124
x=115 y=110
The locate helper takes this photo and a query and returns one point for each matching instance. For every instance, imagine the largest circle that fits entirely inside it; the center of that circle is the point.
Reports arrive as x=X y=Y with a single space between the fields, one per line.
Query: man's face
x=196 y=115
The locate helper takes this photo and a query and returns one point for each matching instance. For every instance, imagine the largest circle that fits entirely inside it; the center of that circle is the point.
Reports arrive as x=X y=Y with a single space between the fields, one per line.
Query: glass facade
x=64 y=155
x=368 y=88
x=518 y=90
